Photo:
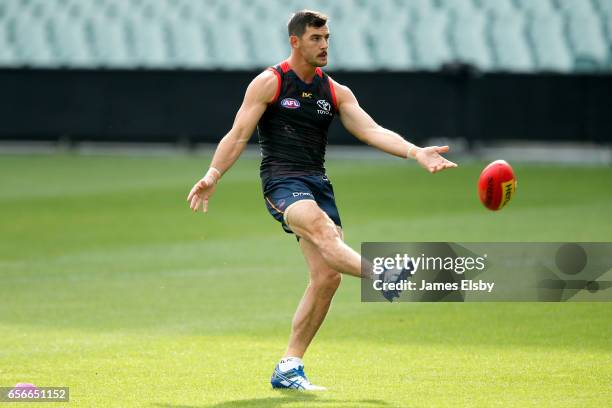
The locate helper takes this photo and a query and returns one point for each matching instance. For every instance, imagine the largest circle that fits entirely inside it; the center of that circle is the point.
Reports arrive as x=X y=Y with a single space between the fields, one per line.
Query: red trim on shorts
x=333 y=93
x=278 y=88
x=273 y=206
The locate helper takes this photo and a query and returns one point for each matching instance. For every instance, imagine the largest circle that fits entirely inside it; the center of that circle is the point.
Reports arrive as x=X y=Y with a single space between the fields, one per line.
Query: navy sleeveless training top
x=293 y=129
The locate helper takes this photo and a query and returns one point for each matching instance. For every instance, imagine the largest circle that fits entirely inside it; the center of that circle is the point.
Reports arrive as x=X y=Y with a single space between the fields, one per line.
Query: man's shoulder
x=338 y=86
x=343 y=93
x=265 y=85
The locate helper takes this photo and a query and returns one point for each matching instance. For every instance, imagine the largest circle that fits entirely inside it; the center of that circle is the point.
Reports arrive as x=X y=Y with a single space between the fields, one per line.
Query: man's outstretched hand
x=201 y=193
x=429 y=158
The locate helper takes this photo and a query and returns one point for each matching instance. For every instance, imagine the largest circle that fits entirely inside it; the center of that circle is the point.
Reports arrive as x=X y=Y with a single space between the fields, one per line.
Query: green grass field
x=111 y=286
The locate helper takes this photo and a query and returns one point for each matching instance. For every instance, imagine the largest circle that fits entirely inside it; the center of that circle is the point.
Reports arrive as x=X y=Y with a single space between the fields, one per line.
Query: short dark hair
x=303 y=19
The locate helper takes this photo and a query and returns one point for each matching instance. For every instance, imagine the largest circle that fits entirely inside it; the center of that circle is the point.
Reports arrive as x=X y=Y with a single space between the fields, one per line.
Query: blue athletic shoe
x=395 y=276
x=294 y=379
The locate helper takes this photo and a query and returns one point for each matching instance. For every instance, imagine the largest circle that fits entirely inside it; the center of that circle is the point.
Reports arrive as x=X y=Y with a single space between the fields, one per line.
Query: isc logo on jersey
x=290 y=103
x=325 y=107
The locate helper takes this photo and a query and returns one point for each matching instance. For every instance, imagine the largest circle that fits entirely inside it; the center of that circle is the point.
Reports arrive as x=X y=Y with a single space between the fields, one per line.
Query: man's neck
x=302 y=69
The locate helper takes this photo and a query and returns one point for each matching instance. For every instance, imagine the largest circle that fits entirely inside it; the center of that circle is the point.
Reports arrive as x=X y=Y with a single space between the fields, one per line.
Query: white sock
x=289 y=363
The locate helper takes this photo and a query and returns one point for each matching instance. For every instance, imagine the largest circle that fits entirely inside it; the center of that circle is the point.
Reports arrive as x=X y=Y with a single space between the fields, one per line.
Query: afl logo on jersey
x=290 y=103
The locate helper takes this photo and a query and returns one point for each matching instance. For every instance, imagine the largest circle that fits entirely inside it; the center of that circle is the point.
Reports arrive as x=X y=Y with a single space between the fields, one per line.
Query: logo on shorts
x=325 y=107
x=299 y=194
x=290 y=103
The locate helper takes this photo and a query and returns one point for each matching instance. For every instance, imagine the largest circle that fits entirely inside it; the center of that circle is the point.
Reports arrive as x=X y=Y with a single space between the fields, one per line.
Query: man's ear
x=293 y=40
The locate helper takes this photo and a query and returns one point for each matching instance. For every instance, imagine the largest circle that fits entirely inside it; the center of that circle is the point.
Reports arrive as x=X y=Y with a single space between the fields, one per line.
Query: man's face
x=313 y=45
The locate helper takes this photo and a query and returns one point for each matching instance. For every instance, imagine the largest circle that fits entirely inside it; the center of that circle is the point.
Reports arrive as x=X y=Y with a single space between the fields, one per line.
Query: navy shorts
x=280 y=192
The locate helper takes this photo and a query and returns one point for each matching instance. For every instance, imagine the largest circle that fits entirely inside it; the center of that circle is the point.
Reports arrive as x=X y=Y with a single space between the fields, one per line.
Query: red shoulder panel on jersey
x=285 y=66
x=319 y=72
x=278 y=88
x=333 y=93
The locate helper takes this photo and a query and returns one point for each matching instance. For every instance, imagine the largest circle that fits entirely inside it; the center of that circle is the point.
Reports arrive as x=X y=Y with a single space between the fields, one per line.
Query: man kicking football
x=292 y=104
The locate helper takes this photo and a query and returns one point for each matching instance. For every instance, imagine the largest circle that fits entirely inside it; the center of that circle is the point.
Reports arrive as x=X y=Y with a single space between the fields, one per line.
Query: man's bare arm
x=259 y=94
x=362 y=126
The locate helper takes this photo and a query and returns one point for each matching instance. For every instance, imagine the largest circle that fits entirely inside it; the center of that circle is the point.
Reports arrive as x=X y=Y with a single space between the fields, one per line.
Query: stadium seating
x=396 y=57
x=109 y=42
x=464 y=7
x=415 y=8
x=573 y=6
x=68 y=39
x=30 y=42
x=491 y=35
x=604 y=7
x=544 y=32
x=188 y=44
x=503 y=7
x=354 y=52
x=586 y=36
x=432 y=48
x=536 y=6
x=468 y=38
x=509 y=44
x=608 y=27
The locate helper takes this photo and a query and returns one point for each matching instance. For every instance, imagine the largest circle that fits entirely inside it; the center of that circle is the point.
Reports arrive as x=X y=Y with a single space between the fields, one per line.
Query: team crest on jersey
x=325 y=107
x=290 y=103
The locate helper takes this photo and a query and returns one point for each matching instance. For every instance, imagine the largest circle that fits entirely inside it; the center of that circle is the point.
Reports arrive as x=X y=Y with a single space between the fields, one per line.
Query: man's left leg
x=311 y=311
x=315 y=303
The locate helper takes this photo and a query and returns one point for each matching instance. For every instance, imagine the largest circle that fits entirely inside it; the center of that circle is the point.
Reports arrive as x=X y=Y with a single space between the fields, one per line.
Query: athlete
x=292 y=105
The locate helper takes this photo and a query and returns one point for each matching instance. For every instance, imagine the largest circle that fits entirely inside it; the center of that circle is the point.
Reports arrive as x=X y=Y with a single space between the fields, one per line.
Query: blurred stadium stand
x=491 y=35
x=176 y=70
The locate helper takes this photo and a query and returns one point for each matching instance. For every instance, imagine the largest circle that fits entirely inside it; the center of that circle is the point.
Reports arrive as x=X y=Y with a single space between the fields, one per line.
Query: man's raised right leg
x=309 y=222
